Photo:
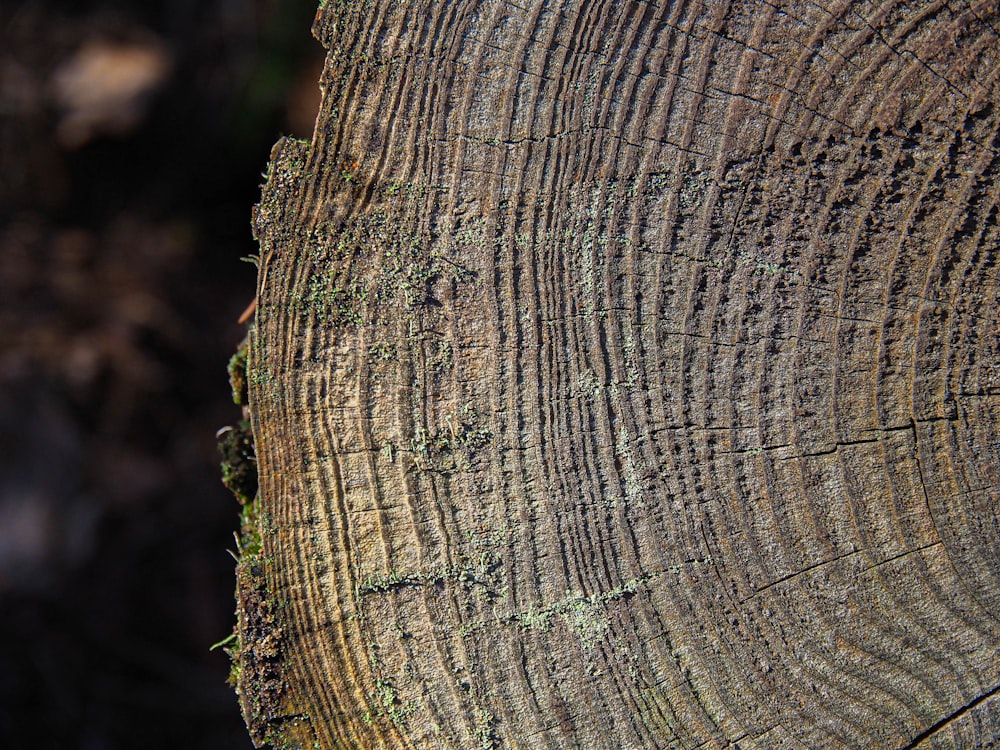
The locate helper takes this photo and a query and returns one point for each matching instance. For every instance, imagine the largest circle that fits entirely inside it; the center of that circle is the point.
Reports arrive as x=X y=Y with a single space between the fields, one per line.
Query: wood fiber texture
x=625 y=376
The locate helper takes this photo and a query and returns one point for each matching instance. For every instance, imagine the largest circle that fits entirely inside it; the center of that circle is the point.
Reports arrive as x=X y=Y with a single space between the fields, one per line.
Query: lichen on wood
x=625 y=375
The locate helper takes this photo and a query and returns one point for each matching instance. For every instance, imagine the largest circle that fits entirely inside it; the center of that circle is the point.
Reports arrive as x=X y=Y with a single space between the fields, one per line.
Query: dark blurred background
x=132 y=140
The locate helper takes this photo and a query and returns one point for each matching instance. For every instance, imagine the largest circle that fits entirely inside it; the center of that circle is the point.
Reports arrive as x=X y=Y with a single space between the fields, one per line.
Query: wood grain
x=625 y=375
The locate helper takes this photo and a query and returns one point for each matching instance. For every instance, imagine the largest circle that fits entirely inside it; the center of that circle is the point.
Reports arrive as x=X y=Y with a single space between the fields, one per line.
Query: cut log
x=627 y=375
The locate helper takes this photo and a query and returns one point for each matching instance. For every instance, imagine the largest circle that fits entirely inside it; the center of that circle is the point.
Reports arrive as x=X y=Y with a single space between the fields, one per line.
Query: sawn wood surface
x=625 y=375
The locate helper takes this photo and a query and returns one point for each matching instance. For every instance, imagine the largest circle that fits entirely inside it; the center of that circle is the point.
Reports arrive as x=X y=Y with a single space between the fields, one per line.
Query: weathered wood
x=625 y=375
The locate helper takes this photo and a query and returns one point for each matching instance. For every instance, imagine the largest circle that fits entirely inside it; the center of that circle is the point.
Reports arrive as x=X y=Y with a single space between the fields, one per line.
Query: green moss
x=396 y=579
x=441 y=357
x=382 y=352
x=250 y=531
x=452 y=448
x=386 y=702
x=332 y=304
x=486 y=736
x=238 y=375
x=229 y=640
x=479 y=574
x=239 y=461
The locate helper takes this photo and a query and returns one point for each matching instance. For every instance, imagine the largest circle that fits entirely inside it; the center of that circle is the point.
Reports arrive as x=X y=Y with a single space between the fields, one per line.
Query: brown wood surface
x=625 y=375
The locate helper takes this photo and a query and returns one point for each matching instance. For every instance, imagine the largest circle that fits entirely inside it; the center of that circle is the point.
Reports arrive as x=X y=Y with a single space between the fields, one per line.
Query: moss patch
x=238 y=375
x=239 y=461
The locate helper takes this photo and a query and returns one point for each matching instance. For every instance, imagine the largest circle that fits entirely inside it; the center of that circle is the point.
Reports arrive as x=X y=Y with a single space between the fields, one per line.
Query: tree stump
x=625 y=375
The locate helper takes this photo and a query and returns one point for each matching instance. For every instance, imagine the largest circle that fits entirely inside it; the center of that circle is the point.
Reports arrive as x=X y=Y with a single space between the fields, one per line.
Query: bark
x=625 y=375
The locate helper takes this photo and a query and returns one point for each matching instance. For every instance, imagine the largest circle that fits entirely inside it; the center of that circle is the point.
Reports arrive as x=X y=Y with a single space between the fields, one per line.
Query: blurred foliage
x=132 y=138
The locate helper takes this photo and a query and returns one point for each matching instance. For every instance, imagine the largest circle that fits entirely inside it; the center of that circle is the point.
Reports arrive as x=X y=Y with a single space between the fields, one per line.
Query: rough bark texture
x=625 y=375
